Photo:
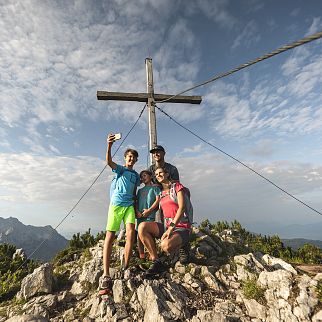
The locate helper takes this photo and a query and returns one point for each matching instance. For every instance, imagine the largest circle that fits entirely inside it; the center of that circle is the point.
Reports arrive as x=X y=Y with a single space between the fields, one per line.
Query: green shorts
x=117 y=214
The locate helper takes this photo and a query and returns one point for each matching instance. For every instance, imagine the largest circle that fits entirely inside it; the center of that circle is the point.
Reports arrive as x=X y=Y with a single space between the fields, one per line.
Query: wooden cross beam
x=143 y=97
x=150 y=98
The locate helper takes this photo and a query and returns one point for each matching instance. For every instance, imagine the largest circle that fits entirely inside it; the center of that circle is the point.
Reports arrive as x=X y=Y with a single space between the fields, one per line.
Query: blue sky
x=55 y=55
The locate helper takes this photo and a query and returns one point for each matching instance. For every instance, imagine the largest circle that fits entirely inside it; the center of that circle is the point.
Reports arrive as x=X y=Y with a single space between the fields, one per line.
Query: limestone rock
x=118 y=291
x=40 y=281
x=248 y=267
x=278 y=263
x=277 y=283
x=199 y=291
x=255 y=309
x=317 y=317
x=307 y=298
x=160 y=302
x=318 y=277
x=209 y=316
x=27 y=318
x=41 y=305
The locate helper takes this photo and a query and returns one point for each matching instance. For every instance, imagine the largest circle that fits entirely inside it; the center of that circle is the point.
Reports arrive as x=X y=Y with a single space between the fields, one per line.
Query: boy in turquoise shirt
x=122 y=197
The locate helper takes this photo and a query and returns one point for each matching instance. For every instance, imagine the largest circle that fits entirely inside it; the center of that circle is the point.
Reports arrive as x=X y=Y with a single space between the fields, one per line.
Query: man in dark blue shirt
x=158 y=156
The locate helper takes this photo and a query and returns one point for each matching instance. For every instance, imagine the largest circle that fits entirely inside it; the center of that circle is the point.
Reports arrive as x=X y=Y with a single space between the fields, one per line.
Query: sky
x=55 y=56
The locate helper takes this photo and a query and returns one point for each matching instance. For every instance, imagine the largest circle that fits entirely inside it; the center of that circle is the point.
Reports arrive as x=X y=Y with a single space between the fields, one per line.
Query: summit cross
x=150 y=98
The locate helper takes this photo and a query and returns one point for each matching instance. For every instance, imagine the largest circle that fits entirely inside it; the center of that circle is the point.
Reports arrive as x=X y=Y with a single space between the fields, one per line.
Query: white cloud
x=217 y=11
x=63 y=53
x=307 y=79
x=54 y=149
x=264 y=148
x=289 y=104
x=315 y=26
x=193 y=149
x=51 y=179
x=249 y=36
x=297 y=59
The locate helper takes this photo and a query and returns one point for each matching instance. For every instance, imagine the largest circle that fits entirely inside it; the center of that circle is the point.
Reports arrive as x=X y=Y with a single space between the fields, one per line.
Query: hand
x=145 y=212
x=110 y=138
x=138 y=215
x=168 y=233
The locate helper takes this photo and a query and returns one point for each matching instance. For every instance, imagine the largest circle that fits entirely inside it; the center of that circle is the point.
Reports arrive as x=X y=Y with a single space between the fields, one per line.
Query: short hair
x=147 y=172
x=134 y=152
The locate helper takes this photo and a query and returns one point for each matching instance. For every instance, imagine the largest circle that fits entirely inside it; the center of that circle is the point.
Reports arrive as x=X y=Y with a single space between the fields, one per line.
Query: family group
x=163 y=196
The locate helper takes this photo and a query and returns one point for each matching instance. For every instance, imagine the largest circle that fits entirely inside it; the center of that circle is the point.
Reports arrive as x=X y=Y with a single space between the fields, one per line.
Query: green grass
x=253 y=291
x=319 y=291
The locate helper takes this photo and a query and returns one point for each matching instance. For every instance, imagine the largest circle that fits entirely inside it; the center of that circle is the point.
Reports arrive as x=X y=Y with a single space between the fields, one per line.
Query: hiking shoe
x=184 y=254
x=106 y=286
x=156 y=268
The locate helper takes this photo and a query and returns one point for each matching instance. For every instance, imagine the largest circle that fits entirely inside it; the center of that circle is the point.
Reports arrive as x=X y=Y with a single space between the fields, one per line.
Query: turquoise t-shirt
x=123 y=185
x=146 y=197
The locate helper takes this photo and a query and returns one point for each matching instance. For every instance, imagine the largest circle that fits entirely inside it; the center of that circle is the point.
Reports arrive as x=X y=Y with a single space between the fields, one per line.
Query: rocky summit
x=219 y=284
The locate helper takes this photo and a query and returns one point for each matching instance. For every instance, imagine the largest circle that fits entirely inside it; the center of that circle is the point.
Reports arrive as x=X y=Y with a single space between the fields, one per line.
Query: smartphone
x=117 y=136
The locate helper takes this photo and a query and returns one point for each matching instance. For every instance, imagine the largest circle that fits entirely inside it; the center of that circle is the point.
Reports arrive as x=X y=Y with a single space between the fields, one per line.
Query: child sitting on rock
x=148 y=199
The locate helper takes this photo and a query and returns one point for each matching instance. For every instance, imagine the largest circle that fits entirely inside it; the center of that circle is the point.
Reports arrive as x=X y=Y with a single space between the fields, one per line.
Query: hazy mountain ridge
x=296 y=243
x=29 y=237
x=311 y=231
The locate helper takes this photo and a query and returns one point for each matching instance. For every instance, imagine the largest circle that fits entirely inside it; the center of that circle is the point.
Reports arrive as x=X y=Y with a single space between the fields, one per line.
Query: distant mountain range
x=312 y=231
x=296 y=243
x=29 y=237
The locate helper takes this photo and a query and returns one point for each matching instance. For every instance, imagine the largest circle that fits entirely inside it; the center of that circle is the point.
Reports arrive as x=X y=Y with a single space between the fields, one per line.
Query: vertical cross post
x=151 y=106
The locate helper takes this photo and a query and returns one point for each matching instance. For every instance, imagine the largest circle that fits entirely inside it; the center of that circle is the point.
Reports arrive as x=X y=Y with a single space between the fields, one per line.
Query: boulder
x=277 y=283
x=40 y=281
x=118 y=291
x=248 y=267
x=278 y=263
x=159 y=301
x=307 y=298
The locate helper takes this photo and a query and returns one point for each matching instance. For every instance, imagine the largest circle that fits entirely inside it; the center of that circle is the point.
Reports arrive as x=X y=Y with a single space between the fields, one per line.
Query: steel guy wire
x=275 y=52
x=240 y=162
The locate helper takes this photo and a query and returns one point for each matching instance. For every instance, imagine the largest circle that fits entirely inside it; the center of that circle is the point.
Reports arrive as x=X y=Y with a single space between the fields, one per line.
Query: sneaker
x=156 y=268
x=184 y=254
x=106 y=286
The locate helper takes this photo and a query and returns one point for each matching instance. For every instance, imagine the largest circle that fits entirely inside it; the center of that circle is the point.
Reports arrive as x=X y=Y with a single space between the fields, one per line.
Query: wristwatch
x=172 y=224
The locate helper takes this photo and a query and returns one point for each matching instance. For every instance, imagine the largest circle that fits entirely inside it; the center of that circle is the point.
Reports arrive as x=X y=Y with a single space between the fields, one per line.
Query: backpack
x=188 y=209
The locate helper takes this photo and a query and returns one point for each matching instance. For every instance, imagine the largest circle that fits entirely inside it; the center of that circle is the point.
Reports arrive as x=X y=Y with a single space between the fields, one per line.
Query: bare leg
x=107 y=251
x=130 y=235
x=140 y=248
x=148 y=231
x=172 y=244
